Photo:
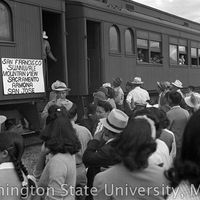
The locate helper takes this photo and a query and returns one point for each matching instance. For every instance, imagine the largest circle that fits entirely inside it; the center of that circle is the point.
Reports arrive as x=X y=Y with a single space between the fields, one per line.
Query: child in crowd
x=14 y=179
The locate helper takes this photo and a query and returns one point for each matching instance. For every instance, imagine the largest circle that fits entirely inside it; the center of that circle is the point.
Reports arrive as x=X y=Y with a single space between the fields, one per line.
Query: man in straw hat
x=137 y=94
x=177 y=86
x=99 y=153
x=60 y=89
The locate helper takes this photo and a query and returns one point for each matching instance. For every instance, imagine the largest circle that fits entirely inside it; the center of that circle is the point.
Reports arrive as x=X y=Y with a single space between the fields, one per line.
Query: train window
x=114 y=39
x=194 y=56
x=199 y=55
x=149 y=47
x=155 y=52
x=129 y=41
x=173 y=54
x=178 y=54
x=142 y=50
x=6 y=22
x=182 y=55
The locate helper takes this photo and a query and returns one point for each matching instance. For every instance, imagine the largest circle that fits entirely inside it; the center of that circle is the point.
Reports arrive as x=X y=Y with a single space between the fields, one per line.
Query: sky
x=189 y=9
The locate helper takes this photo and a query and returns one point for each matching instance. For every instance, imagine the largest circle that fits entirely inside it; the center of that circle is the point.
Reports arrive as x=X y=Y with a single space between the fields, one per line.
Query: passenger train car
x=94 y=41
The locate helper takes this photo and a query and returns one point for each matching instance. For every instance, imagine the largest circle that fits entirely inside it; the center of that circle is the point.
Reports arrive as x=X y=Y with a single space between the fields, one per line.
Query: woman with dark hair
x=166 y=146
x=13 y=174
x=124 y=180
x=61 y=142
x=185 y=175
x=102 y=111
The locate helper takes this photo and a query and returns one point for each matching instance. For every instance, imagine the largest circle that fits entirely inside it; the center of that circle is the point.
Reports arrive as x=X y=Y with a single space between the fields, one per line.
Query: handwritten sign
x=22 y=76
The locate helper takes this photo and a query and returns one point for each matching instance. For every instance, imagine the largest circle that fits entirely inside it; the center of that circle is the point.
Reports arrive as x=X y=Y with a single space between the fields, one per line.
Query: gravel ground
x=30 y=157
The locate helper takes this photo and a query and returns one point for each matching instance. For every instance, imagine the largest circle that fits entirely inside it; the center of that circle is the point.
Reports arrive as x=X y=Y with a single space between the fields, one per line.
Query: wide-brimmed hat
x=137 y=81
x=2 y=119
x=59 y=86
x=193 y=100
x=44 y=35
x=100 y=95
x=116 y=121
x=177 y=84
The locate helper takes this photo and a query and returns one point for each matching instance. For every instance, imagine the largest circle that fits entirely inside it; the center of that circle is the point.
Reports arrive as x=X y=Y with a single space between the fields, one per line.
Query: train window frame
x=194 y=56
x=145 y=53
x=182 y=54
x=8 y=24
x=117 y=41
x=132 y=38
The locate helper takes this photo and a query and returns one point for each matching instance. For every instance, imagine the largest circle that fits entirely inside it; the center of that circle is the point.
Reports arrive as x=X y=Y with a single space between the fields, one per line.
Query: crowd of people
x=124 y=148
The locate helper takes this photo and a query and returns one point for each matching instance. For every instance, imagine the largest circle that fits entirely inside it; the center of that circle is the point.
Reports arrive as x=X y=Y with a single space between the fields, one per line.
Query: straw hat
x=44 y=35
x=137 y=81
x=59 y=86
x=116 y=121
x=193 y=100
x=2 y=119
x=177 y=84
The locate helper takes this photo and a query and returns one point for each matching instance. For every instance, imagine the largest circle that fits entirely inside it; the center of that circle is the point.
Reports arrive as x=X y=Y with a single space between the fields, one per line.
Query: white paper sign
x=22 y=76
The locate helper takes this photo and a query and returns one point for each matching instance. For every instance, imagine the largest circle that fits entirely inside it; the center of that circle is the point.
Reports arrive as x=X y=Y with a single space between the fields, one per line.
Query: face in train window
x=142 y=50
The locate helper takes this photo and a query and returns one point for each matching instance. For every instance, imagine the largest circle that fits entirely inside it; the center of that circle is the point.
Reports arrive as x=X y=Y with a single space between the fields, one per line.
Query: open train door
x=93 y=55
x=54 y=25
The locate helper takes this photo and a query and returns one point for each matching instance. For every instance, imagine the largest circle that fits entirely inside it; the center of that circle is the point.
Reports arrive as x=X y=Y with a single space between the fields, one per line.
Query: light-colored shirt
x=9 y=180
x=118 y=183
x=178 y=118
x=119 y=95
x=161 y=156
x=58 y=176
x=138 y=94
x=84 y=137
x=185 y=191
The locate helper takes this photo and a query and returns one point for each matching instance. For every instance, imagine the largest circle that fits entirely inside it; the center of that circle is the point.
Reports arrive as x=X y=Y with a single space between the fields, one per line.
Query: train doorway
x=94 y=56
x=53 y=25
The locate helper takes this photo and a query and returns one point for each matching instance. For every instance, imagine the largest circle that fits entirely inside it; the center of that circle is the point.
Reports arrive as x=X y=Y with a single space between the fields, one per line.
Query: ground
x=30 y=157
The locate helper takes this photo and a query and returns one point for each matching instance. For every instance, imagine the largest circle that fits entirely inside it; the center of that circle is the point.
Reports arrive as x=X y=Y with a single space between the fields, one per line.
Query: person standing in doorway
x=46 y=53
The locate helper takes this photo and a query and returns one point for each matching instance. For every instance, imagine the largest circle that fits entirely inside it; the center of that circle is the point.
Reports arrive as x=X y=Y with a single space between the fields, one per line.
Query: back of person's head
x=59 y=135
x=53 y=112
x=136 y=143
x=105 y=105
x=12 y=145
x=117 y=82
x=111 y=92
x=161 y=121
x=150 y=113
x=187 y=167
x=175 y=97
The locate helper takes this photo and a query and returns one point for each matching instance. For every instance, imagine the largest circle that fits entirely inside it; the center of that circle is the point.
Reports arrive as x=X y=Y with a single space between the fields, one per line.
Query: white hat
x=44 y=35
x=59 y=86
x=2 y=119
x=177 y=84
x=137 y=81
x=193 y=100
x=116 y=121
x=106 y=85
